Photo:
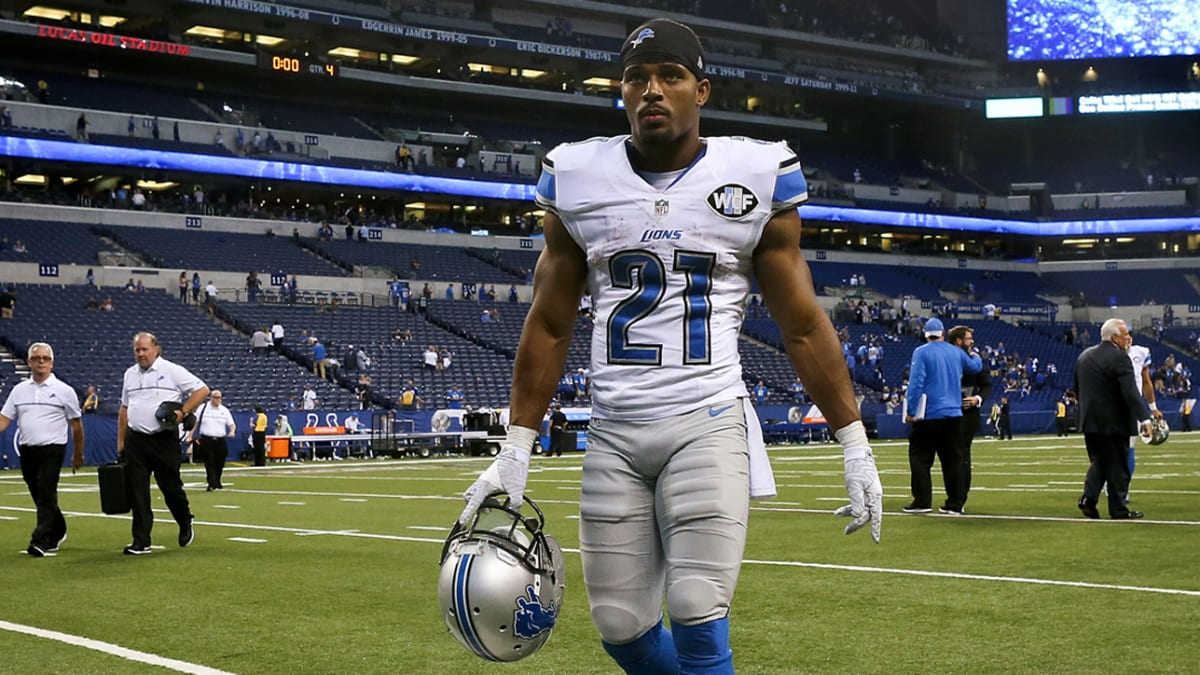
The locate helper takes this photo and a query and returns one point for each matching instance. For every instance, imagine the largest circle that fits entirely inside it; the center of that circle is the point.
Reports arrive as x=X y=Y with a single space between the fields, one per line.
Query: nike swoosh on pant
x=713 y=412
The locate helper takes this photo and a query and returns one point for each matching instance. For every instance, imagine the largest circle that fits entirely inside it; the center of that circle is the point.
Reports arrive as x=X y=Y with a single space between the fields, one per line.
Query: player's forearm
x=817 y=358
x=538 y=368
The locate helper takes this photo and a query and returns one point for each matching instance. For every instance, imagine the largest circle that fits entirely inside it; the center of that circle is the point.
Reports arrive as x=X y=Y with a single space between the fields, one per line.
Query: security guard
x=147 y=436
x=44 y=406
x=208 y=438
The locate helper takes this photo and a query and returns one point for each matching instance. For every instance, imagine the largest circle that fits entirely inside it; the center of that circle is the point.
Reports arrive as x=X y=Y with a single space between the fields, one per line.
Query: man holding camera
x=156 y=397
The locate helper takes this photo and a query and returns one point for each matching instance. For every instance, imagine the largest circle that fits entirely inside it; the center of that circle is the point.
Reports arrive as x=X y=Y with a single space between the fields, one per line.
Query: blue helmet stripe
x=462 y=607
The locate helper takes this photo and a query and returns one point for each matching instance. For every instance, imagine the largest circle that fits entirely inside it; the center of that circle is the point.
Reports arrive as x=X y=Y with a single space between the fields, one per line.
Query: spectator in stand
x=183 y=287
x=410 y=396
x=130 y=286
x=107 y=305
x=429 y=358
x=81 y=125
x=196 y=288
x=260 y=341
x=130 y=126
x=6 y=121
x=92 y=304
x=796 y=389
x=140 y=288
x=91 y=401
x=444 y=358
x=455 y=397
x=277 y=336
x=309 y=398
x=760 y=392
x=320 y=359
x=210 y=295
x=253 y=283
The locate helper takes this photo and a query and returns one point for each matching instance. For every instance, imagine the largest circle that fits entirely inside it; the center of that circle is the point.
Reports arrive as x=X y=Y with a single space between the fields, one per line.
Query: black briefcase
x=114 y=489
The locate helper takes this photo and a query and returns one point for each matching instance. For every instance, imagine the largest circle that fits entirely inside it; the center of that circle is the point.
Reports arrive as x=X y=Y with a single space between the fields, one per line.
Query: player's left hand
x=1157 y=414
x=866 y=495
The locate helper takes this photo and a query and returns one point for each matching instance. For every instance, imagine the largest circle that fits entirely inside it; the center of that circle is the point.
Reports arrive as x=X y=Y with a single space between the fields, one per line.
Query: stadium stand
x=220 y=251
x=93 y=347
x=60 y=242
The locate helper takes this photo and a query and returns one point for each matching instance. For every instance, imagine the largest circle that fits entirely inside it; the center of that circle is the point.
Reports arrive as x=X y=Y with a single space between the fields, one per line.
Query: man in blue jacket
x=934 y=407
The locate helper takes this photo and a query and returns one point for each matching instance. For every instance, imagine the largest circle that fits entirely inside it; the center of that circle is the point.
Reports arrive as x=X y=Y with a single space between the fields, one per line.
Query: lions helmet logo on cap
x=643 y=35
x=664 y=41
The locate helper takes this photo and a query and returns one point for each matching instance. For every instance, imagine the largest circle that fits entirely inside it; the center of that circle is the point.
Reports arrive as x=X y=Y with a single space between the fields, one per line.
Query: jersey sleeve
x=546 y=193
x=791 y=188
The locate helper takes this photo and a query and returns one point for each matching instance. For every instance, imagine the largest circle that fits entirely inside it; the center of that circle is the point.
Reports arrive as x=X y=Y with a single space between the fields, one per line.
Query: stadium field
x=331 y=567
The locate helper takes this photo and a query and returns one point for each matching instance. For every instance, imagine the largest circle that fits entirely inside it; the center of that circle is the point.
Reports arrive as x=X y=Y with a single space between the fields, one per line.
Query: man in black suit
x=1110 y=409
x=976 y=388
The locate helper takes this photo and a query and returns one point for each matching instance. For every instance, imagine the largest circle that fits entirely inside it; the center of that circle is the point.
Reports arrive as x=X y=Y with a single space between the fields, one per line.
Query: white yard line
x=773 y=563
x=112 y=649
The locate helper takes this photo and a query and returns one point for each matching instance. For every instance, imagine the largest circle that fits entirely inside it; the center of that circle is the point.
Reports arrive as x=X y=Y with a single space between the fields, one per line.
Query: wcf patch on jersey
x=732 y=201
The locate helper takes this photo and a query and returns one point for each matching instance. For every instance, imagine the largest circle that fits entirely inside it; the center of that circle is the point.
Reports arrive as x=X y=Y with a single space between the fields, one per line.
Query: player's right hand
x=507 y=473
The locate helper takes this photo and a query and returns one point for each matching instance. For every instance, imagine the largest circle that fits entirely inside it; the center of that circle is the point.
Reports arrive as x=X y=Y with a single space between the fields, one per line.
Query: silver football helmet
x=1159 y=432
x=502 y=582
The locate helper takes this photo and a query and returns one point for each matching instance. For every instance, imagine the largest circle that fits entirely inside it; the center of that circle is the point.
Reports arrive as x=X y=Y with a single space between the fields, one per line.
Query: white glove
x=507 y=473
x=862 y=481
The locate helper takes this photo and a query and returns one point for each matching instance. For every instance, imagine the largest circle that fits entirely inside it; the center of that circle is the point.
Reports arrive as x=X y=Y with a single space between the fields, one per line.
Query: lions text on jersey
x=669 y=267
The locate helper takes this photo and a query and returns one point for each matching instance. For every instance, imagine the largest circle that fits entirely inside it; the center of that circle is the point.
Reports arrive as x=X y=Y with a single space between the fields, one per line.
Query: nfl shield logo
x=661 y=207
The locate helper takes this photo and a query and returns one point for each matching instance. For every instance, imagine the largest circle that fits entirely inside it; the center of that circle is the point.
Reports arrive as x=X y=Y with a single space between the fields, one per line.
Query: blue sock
x=704 y=648
x=651 y=654
x=1131 y=461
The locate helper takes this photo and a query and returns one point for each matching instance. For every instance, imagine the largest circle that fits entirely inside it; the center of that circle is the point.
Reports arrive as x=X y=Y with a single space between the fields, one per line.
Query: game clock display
x=296 y=65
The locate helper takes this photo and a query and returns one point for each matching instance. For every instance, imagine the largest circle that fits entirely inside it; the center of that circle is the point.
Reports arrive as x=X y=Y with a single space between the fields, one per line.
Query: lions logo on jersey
x=732 y=200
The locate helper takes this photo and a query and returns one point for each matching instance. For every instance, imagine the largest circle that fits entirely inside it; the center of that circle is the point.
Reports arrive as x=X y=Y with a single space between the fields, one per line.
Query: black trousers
x=969 y=426
x=941 y=438
x=213 y=450
x=1060 y=425
x=556 y=443
x=158 y=454
x=1109 y=464
x=40 y=466
x=260 y=448
x=1005 y=427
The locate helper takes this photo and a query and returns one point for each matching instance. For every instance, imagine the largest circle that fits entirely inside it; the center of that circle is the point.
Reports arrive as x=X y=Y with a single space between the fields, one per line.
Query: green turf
x=346 y=580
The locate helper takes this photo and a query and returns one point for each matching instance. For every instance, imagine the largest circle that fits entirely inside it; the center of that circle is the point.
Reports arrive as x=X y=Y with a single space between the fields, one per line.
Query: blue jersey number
x=644 y=274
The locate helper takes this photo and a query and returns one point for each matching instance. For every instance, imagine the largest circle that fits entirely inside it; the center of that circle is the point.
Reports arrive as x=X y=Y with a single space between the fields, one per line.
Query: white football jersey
x=1140 y=356
x=669 y=269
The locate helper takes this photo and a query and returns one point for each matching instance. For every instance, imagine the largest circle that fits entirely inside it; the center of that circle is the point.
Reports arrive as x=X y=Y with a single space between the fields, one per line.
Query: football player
x=1140 y=356
x=665 y=227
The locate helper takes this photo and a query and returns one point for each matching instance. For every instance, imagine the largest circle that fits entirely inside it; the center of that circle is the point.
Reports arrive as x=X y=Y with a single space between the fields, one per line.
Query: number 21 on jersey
x=646 y=277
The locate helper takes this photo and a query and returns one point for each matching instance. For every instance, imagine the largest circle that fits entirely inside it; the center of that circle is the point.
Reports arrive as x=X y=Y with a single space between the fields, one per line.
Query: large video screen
x=1054 y=30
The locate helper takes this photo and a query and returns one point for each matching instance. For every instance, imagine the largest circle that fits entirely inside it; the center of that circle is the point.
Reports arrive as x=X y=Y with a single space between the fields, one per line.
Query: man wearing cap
x=669 y=229
x=934 y=407
x=156 y=397
x=44 y=408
